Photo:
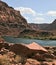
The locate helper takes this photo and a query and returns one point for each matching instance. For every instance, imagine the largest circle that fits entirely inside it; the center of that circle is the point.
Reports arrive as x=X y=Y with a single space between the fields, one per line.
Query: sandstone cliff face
x=11 y=21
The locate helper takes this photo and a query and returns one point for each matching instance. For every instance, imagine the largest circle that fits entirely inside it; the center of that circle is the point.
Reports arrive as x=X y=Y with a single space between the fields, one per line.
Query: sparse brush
x=4 y=60
x=20 y=59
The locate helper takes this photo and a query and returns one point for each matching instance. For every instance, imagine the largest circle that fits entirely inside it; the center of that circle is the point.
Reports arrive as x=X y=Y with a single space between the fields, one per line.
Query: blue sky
x=35 y=11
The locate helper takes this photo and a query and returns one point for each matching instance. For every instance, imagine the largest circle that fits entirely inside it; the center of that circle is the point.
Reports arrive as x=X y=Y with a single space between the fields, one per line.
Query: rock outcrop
x=20 y=49
x=22 y=54
x=24 y=49
x=11 y=21
x=32 y=62
x=36 y=46
x=27 y=50
x=4 y=45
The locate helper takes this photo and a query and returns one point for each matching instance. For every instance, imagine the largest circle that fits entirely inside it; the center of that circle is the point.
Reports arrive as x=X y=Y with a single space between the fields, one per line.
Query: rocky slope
x=11 y=21
x=21 y=54
x=52 y=26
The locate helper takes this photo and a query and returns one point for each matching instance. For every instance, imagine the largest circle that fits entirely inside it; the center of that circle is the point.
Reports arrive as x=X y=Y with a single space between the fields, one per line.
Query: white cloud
x=25 y=10
x=33 y=17
x=52 y=13
x=39 y=20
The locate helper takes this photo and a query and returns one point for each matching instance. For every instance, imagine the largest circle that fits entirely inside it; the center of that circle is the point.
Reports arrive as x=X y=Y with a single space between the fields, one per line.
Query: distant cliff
x=49 y=27
x=40 y=31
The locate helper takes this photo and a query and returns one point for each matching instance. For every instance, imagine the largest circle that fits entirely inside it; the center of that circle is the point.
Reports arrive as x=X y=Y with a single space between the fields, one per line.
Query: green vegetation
x=40 y=37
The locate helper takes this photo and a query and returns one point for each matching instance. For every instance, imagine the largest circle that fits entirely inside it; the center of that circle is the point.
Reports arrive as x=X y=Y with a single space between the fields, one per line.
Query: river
x=27 y=41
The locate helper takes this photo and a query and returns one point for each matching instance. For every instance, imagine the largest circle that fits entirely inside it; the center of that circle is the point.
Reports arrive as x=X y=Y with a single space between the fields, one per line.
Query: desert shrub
x=50 y=51
x=20 y=59
x=49 y=60
x=28 y=37
x=4 y=60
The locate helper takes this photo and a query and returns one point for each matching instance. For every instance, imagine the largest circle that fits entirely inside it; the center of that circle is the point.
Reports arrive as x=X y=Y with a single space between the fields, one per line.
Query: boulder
x=36 y=46
x=4 y=51
x=48 y=63
x=47 y=47
x=45 y=63
x=54 y=53
x=27 y=49
x=47 y=55
x=5 y=45
x=32 y=62
x=54 y=48
x=39 y=57
x=20 y=49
